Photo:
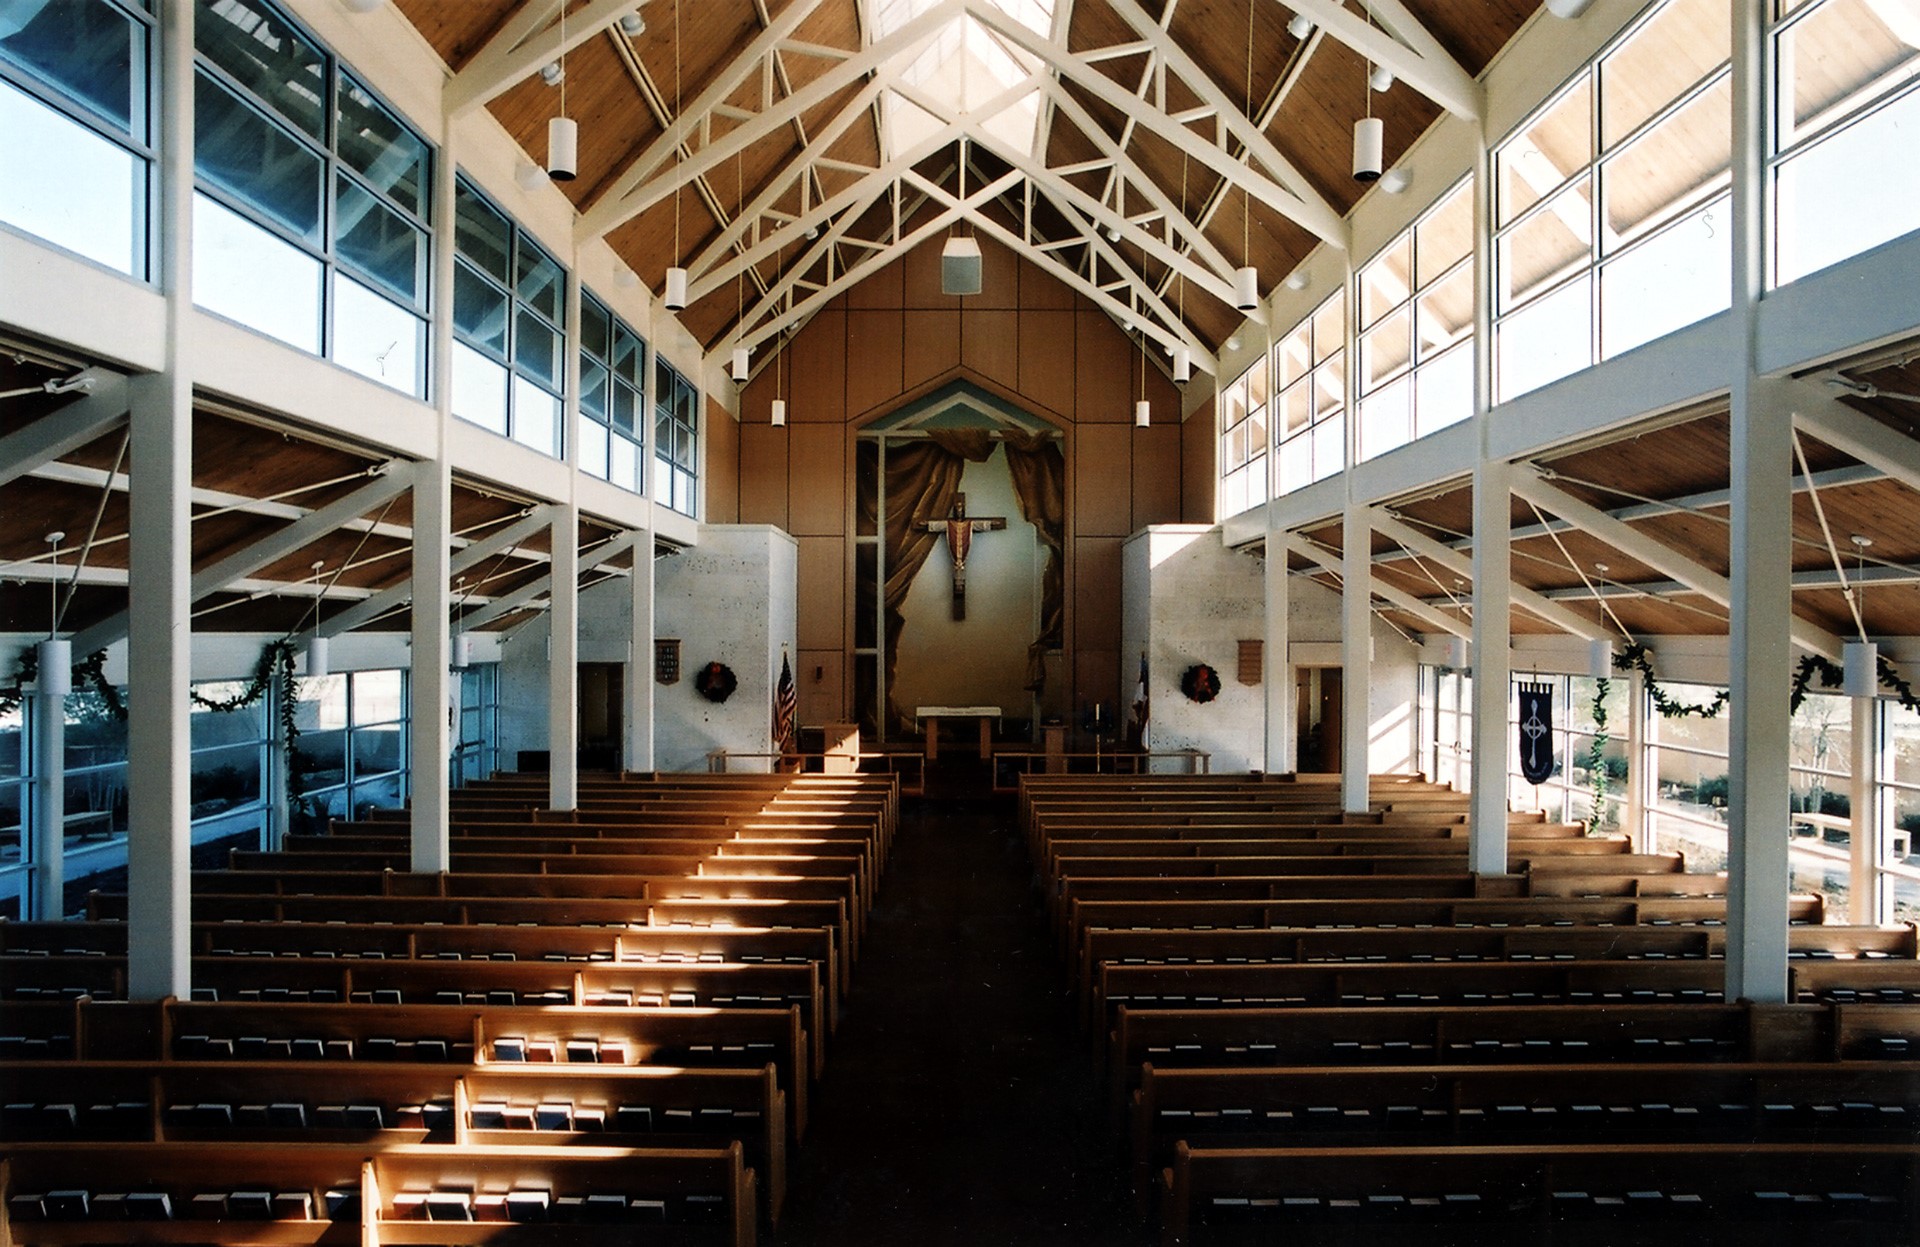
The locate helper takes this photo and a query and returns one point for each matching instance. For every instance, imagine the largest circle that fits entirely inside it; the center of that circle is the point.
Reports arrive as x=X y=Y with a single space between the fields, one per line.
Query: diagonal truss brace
x=1404 y=46
x=528 y=594
x=530 y=39
x=1530 y=483
x=1329 y=561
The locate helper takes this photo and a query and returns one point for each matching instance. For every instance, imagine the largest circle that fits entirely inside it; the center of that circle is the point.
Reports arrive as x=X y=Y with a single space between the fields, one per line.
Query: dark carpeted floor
x=960 y=1104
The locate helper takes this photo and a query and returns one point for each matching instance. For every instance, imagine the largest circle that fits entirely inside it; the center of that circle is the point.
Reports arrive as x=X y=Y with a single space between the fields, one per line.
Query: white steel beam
x=530 y=593
x=1330 y=561
x=1419 y=543
x=1405 y=46
x=1529 y=483
x=395 y=596
x=101 y=411
x=394 y=479
x=1823 y=415
x=530 y=39
x=1282 y=187
x=644 y=183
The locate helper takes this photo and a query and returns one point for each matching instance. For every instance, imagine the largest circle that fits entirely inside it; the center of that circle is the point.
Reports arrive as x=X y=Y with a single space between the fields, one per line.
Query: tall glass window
x=1243 y=440
x=1611 y=201
x=311 y=218
x=1847 y=121
x=676 y=438
x=1310 y=367
x=1568 y=795
x=1416 y=329
x=13 y=809
x=613 y=379
x=476 y=748
x=1897 y=817
x=509 y=325
x=76 y=134
x=352 y=752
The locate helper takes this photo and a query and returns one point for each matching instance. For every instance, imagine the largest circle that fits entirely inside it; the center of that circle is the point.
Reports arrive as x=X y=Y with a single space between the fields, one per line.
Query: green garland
x=1833 y=677
x=1634 y=657
x=274 y=669
x=1596 y=758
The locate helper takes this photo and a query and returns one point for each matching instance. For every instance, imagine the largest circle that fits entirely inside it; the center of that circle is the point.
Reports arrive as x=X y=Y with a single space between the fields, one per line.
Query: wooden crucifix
x=960 y=528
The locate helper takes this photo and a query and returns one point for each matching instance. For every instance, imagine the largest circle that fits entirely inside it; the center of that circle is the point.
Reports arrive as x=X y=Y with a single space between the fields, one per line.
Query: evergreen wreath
x=715 y=682
x=1200 y=683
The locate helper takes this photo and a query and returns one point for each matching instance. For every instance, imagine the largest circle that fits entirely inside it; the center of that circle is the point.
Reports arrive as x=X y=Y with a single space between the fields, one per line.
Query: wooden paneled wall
x=1026 y=338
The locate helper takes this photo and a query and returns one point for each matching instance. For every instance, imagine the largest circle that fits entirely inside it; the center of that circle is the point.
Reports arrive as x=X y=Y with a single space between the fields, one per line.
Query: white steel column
x=563 y=661
x=1281 y=756
x=432 y=712
x=432 y=706
x=49 y=807
x=1760 y=651
x=1863 y=838
x=1492 y=664
x=1356 y=657
x=640 y=685
x=160 y=561
x=563 y=620
x=1639 y=774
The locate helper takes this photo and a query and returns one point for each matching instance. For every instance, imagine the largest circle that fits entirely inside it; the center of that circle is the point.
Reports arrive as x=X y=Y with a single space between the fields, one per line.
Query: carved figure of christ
x=960 y=528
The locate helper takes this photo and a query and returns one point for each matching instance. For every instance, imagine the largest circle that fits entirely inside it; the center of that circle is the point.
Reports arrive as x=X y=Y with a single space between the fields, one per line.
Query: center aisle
x=959 y=1105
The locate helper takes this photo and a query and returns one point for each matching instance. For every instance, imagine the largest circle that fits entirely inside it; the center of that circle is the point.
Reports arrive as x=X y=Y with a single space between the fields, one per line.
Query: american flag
x=786 y=708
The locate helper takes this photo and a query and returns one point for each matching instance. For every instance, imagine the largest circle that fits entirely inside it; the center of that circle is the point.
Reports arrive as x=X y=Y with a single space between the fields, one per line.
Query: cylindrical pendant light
x=777 y=413
x=1600 y=658
x=1142 y=414
x=1860 y=667
x=563 y=148
x=55 y=677
x=460 y=653
x=676 y=298
x=316 y=656
x=1369 y=144
x=1457 y=655
x=1246 y=288
x=1182 y=365
x=739 y=369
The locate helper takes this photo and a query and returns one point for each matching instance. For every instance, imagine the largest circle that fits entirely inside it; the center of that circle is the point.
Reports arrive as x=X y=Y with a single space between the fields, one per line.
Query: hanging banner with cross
x=959 y=528
x=1536 y=732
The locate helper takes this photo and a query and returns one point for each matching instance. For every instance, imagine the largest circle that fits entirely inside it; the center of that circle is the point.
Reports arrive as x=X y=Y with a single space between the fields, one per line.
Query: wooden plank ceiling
x=625 y=89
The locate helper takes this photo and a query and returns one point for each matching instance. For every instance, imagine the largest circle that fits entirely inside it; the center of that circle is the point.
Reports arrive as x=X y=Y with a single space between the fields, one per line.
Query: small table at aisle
x=930 y=716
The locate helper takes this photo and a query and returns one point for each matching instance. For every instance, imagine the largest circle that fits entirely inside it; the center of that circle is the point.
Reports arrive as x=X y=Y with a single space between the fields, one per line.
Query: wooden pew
x=1866 y=1193
x=745 y=945
x=1732 y=1102
x=688 y=1195
x=334 y=981
x=384 y=1104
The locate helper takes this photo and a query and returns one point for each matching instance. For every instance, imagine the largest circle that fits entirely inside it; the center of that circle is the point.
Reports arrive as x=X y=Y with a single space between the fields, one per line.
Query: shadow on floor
x=960 y=1104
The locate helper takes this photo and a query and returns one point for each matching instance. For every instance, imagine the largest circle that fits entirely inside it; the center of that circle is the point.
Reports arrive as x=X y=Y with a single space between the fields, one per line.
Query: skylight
x=961 y=69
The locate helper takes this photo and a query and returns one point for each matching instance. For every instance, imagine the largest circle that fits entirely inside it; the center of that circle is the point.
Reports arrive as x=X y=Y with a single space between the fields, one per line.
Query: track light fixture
x=1381 y=79
x=1301 y=26
x=553 y=73
x=633 y=25
x=1570 y=10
